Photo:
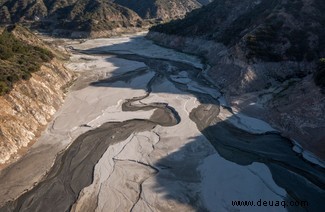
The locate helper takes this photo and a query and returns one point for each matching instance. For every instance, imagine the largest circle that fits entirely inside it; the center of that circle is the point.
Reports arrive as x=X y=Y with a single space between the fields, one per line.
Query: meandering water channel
x=73 y=169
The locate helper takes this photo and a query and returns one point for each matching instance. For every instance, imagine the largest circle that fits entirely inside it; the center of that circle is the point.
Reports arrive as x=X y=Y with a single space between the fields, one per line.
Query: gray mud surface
x=73 y=169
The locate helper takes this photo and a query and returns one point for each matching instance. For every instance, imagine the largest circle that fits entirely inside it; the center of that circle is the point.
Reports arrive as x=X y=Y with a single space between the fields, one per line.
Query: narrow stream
x=73 y=169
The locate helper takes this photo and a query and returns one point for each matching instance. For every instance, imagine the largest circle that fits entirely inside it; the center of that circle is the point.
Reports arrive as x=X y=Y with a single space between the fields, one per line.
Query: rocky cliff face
x=27 y=109
x=265 y=68
x=29 y=106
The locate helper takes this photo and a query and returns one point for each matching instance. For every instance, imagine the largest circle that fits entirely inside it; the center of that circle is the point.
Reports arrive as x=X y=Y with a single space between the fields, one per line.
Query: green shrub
x=5 y=52
x=18 y=60
x=4 y=88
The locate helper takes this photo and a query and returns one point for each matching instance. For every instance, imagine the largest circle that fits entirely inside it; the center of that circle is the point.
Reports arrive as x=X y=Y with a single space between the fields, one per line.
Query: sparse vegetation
x=18 y=60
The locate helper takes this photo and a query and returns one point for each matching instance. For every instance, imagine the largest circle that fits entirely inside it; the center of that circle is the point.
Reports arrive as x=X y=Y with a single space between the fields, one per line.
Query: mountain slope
x=68 y=16
x=271 y=30
x=82 y=18
x=20 y=10
x=87 y=15
x=161 y=9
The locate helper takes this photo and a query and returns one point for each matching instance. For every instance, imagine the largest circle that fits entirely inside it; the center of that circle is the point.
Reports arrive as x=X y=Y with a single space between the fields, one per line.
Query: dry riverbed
x=142 y=130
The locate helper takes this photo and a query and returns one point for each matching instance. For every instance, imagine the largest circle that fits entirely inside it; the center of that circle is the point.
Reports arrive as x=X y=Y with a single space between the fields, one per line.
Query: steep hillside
x=266 y=57
x=84 y=18
x=18 y=60
x=21 y=10
x=54 y=6
x=97 y=16
x=81 y=17
x=271 y=30
x=160 y=9
x=32 y=82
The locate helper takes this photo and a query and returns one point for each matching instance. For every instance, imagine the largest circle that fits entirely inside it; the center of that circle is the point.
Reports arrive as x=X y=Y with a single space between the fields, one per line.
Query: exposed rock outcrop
x=27 y=109
x=31 y=103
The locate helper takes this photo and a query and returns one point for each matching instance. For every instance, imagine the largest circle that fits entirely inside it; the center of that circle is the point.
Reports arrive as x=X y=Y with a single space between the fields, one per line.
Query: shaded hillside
x=204 y=2
x=319 y=76
x=18 y=60
x=12 y=11
x=54 y=6
x=271 y=30
x=161 y=9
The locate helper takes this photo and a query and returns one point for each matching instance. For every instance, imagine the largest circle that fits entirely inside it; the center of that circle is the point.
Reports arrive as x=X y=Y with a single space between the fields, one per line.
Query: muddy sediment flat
x=72 y=170
x=149 y=134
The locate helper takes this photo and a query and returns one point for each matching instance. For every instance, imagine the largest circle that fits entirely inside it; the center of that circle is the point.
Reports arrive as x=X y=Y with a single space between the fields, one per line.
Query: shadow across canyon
x=73 y=169
x=301 y=180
